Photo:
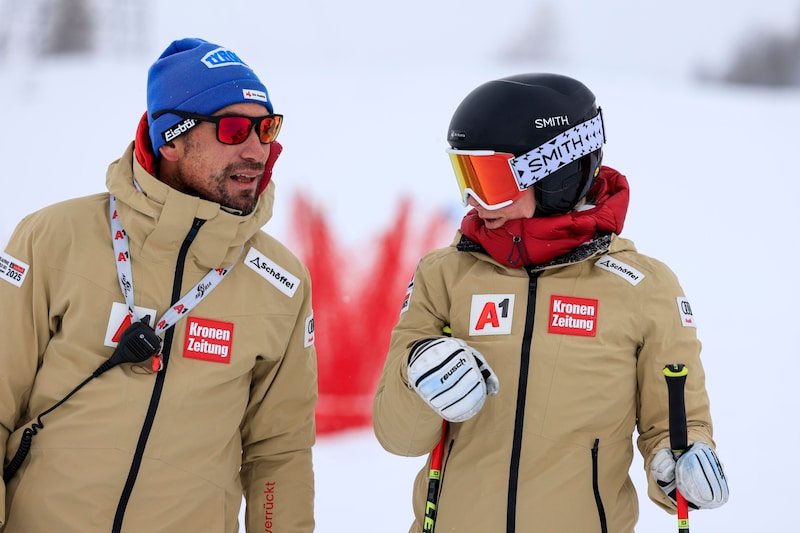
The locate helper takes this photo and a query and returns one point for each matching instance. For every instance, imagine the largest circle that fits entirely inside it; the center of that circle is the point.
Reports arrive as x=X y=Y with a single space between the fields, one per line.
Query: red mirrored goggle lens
x=236 y=129
x=485 y=175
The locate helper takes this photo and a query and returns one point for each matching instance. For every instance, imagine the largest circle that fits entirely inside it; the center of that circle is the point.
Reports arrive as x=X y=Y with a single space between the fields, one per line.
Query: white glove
x=451 y=377
x=697 y=474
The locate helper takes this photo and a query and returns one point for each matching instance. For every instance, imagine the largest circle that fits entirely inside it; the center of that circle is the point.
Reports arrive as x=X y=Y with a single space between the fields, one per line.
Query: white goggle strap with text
x=561 y=150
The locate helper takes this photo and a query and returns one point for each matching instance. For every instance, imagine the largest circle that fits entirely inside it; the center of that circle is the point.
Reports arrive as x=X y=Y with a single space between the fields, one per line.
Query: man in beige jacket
x=158 y=360
x=560 y=332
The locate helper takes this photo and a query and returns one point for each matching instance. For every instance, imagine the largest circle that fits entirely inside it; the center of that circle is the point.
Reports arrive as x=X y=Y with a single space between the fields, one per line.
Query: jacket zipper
x=596 y=487
x=159 y=384
x=519 y=418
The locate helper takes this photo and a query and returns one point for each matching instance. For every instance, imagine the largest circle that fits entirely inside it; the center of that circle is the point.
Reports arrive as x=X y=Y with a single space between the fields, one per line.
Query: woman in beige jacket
x=560 y=332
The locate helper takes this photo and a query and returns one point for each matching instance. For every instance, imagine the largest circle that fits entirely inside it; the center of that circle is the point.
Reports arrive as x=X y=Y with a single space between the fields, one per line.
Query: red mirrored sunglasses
x=231 y=129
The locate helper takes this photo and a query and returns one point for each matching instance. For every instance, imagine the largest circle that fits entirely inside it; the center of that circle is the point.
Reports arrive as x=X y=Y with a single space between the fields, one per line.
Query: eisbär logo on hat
x=197 y=76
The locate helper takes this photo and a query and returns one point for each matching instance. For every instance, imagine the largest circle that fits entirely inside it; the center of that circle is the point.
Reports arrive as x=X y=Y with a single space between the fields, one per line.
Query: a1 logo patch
x=573 y=316
x=491 y=314
x=120 y=318
x=209 y=340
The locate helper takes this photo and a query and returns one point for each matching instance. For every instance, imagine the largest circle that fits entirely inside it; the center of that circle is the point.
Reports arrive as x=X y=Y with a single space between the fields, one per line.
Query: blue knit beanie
x=197 y=76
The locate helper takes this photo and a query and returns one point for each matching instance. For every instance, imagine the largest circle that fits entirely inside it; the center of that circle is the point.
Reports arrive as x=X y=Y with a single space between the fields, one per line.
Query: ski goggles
x=496 y=179
x=486 y=176
x=231 y=129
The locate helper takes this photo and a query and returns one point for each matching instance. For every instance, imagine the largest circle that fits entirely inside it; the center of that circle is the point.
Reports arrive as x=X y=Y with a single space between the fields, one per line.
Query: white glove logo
x=461 y=362
x=451 y=377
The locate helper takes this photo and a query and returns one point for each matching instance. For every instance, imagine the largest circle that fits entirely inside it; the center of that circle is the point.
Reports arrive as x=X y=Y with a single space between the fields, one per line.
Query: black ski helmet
x=518 y=113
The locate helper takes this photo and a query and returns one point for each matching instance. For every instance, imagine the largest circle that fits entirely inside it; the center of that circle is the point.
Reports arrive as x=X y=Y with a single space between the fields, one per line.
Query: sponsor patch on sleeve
x=407 y=297
x=12 y=269
x=685 y=311
x=491 y=314
x=309 y=337
x=282 y=279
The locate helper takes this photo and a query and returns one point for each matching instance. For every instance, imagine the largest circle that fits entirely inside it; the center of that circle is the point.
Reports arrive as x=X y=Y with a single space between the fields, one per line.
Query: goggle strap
x=566 y=147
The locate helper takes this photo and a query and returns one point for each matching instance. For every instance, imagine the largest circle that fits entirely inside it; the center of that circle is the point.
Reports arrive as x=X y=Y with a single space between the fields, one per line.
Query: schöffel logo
x=621 y=269
x=271 y=271
x=222 y=57
x=179 y=129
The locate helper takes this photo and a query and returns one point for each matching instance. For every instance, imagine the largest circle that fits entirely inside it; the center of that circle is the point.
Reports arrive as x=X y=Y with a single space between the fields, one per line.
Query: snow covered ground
x=368 y=90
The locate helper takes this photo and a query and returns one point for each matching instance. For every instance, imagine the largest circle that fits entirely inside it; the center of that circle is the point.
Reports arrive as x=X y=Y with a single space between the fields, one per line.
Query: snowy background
x=368 y=89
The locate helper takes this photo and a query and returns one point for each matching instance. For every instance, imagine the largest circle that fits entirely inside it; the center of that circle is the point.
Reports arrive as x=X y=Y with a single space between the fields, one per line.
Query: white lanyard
x=182 y=307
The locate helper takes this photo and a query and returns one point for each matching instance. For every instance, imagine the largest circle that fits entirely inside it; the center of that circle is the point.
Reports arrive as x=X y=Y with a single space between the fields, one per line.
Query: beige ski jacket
x=579 y=347
x=231 y=413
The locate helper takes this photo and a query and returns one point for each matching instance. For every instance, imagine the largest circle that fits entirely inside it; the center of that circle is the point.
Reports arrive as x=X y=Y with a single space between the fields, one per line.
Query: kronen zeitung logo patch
x=209 y=340
x=570 y=315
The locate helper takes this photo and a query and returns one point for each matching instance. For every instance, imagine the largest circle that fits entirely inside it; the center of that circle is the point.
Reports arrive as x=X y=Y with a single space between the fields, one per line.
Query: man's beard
x=245 y=202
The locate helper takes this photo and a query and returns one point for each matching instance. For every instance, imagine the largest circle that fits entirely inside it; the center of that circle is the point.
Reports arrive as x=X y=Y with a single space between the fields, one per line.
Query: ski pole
x=434 y=479
x=675 y=375
x=435 y=471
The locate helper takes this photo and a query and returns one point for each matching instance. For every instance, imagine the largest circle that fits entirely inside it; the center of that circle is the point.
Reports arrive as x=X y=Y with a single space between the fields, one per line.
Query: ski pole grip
x=675 y=375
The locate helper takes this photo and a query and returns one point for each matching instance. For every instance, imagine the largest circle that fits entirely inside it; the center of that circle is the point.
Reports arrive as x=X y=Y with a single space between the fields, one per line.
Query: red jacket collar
x=538 y=241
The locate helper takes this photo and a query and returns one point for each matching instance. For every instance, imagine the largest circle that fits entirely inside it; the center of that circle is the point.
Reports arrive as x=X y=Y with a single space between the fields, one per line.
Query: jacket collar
x=585 y=251
x=157 y=218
